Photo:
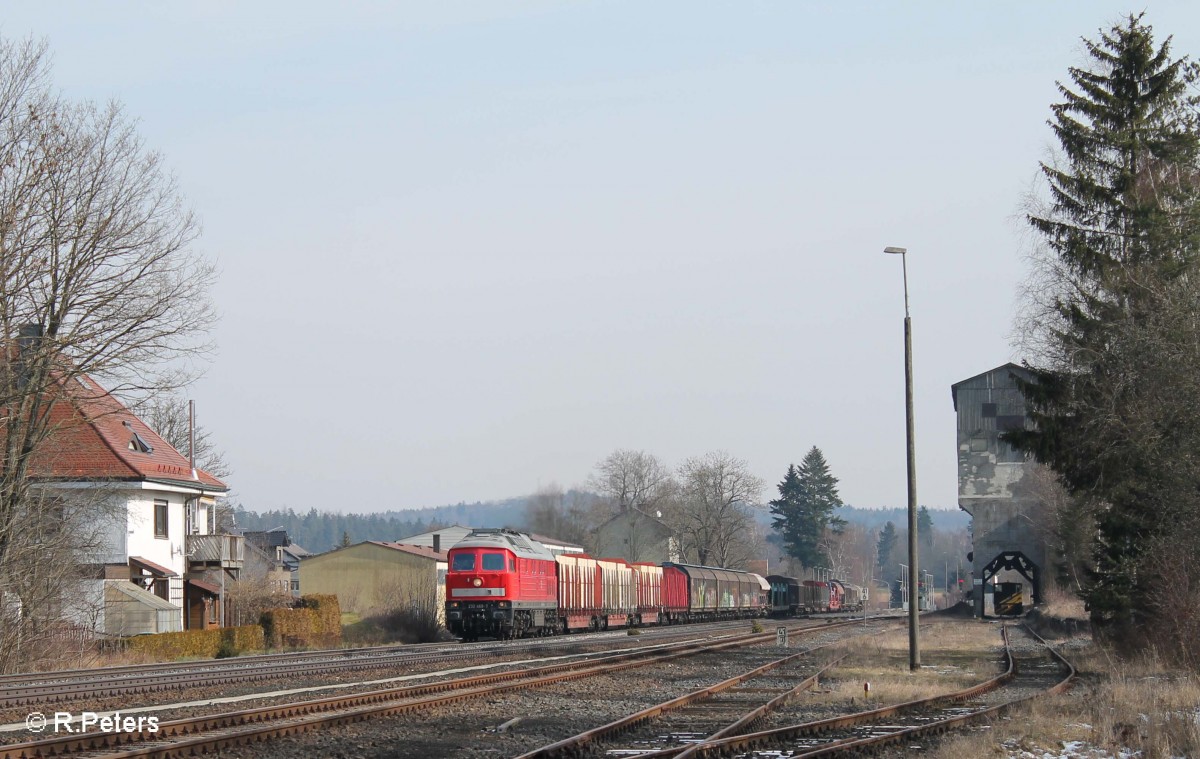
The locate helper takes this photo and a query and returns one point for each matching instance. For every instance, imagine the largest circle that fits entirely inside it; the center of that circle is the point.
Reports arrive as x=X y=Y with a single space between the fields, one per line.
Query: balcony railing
x=226 y=551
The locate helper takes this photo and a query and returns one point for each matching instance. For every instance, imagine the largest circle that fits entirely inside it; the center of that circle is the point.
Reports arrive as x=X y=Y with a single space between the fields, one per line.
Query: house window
x=160 y=518
x=137 y=442
x=212 y=611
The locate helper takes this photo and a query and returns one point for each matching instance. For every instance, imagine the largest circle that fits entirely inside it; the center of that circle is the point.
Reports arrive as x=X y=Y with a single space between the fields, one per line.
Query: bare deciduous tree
x=167 y=414
x=250 y=595
x=99 y=279
x=557 y=514
x=629 y=479
x=713 y=513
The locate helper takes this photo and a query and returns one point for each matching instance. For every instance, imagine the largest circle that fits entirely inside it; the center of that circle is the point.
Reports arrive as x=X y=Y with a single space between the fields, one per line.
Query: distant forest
x=320 y=531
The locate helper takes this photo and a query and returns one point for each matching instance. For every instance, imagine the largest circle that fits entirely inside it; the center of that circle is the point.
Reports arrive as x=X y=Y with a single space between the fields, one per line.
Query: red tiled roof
x=424 y=551
x=94 y=439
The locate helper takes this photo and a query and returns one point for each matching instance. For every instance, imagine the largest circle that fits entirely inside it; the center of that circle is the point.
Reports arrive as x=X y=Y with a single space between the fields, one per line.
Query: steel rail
x=574 y=743
x=149 y=679
x=27 y=687
x=308 y=715
x=774 y=737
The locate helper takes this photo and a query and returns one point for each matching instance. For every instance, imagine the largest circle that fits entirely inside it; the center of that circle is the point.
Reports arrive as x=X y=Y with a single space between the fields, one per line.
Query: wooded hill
x=319 y=531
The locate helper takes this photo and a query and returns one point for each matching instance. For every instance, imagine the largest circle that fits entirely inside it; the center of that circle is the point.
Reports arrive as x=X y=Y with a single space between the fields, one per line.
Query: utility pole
x=914 y=575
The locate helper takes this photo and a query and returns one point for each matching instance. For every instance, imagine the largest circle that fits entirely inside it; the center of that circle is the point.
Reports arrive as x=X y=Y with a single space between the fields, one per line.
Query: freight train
x=504 y=584
x=790 y=597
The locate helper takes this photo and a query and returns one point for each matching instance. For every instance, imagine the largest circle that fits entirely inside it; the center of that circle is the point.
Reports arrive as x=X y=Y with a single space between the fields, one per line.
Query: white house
x=155 y=516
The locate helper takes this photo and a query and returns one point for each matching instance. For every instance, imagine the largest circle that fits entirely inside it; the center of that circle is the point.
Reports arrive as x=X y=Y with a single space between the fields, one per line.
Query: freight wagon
x=784 y=599
x=709 y=593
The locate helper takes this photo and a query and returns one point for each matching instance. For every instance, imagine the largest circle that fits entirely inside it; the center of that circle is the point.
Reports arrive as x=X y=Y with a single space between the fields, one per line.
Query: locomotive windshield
x=493 y=562
x=463 y=562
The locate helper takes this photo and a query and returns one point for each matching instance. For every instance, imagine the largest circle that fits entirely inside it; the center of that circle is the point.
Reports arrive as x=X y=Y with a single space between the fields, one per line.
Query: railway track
x=190 y=736
x=44 y=689
x=723 y=726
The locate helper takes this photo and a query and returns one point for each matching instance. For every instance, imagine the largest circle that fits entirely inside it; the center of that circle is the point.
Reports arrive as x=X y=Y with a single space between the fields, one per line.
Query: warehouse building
x=375 y=577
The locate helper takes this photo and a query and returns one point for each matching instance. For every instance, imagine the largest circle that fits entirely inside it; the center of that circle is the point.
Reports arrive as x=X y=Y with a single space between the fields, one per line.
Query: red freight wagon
x=675 y=594
x=648 y=580
x=499 y=584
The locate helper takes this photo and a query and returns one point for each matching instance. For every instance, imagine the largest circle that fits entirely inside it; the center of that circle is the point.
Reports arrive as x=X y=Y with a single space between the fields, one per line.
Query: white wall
x=140 y=539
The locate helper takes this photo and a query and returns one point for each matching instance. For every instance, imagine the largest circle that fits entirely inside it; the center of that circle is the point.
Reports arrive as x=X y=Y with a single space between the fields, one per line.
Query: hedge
x=229 y=641
x=315 y=621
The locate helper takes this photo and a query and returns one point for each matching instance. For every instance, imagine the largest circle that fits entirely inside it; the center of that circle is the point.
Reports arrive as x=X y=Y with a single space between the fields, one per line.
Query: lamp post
x=914 y=646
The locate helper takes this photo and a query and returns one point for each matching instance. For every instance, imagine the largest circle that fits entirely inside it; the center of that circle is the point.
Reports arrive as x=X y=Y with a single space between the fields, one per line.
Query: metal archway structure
x=1015 y=560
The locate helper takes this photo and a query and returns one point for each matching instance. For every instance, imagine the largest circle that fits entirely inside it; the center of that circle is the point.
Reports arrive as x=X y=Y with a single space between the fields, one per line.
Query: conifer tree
x=925 y=530
x=804 y=510
x=883 y=550
x=1116 y=335
x=785 y=511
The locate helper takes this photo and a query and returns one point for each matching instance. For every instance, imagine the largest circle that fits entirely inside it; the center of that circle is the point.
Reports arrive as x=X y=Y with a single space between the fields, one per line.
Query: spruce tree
x=883 y=550
x=785 y=512
x=804 y=510
x=925 y=531
x=1122 y=229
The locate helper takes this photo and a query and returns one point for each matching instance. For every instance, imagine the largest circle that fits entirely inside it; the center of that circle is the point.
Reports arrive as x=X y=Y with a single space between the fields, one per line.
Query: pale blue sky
x=468 y=250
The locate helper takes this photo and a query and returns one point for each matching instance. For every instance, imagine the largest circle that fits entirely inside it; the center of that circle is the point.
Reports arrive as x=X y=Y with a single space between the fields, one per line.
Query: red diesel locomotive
x=500 y=584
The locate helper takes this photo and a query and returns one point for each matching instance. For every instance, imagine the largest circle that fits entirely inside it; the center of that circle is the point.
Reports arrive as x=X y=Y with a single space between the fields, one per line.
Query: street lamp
x=914 y=646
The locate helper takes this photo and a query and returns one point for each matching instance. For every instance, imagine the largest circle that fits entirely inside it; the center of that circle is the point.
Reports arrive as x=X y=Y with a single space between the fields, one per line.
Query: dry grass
x=1061 y=604
x=954 y=656
x=95 y=656
x=1117 y=708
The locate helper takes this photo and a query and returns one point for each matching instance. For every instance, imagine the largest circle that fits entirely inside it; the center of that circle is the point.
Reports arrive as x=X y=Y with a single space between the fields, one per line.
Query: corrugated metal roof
x=144 y=597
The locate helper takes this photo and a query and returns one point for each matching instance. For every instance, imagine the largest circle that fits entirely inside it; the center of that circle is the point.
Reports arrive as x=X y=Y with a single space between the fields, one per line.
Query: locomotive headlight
x=477 y=582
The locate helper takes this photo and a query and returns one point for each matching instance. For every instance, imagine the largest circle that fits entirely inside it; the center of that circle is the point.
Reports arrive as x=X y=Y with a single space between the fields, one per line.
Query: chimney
x=28 y=336
x=437 y=543
x=192 y=438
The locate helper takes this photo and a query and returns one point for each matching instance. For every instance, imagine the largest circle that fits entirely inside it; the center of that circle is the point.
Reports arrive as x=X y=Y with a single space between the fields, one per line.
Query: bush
x=215 y=643
x=756 y=626
x=408 y=625
x=314 y=622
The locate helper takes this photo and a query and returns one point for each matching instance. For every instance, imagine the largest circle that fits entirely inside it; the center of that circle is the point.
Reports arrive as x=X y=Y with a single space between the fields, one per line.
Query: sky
x=469 y=249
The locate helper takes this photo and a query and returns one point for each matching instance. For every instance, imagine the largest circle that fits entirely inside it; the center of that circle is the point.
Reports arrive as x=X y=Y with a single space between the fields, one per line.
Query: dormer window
x=137 y=442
